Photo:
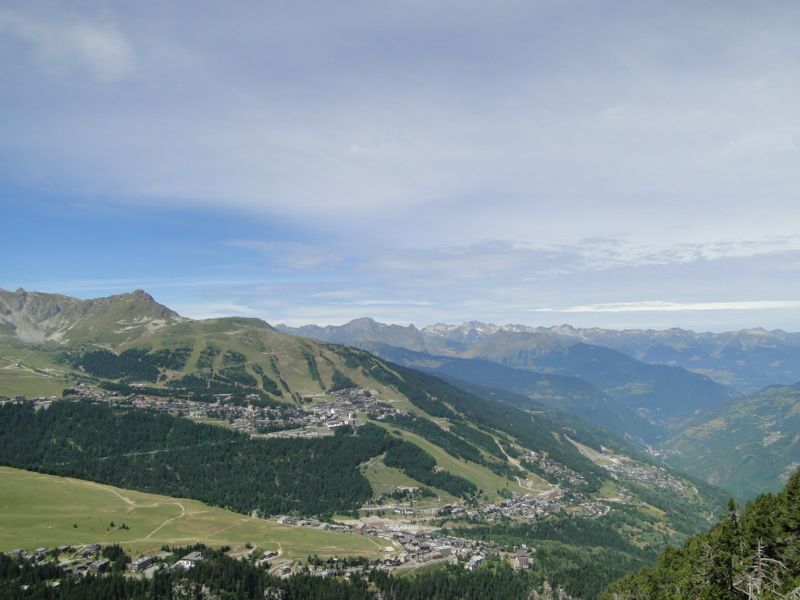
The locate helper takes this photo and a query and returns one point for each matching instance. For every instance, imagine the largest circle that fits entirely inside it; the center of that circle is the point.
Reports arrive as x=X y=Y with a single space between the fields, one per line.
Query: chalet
x=443 y=550
x=360 y=528
x=100 y=566
x=88 y=550
x=521 y=560
x=474 y=562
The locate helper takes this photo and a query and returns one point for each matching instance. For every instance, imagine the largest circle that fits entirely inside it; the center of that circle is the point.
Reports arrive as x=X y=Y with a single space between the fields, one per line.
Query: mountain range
x=130 y=344
x=746 y=360
x=717 y=405
x=38 y=317
x=50 y=341
x=667 y=397
x=495 y=419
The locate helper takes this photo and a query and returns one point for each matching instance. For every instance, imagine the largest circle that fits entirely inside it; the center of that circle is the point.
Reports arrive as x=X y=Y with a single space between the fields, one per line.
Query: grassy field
x=43 y=510
x=211 y=421
x=385 y=480
x=25 y=382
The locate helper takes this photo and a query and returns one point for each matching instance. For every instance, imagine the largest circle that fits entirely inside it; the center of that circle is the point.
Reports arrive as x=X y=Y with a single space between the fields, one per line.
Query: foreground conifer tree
x=751 y=554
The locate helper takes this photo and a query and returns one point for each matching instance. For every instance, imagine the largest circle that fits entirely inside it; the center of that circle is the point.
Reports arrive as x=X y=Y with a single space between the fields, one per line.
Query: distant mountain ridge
x=570 y=394
x=748 y=359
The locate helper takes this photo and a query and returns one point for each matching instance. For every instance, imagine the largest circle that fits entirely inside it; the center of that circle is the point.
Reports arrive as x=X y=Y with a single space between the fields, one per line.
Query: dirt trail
x=180 y=516
x=517 y=464
x=133 y=505
x=239 y=522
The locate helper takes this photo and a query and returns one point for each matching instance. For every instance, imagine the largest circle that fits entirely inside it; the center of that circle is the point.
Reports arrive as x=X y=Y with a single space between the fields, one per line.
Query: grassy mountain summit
x=39 y=317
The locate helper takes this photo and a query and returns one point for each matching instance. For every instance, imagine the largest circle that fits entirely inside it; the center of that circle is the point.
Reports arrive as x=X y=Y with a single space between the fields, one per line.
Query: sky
x=614 y=164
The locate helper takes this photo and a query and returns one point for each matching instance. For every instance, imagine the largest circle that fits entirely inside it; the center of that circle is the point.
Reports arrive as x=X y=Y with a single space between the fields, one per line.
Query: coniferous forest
x=169 y=455
x=173 y=456
x=752 y=553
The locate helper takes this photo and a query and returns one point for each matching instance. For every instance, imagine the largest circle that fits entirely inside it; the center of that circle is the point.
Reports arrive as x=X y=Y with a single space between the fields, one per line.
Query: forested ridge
x=752 y=553
x=169 y=455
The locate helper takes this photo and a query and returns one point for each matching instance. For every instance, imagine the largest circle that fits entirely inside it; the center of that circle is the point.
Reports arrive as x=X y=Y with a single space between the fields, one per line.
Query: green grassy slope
x=42 y=510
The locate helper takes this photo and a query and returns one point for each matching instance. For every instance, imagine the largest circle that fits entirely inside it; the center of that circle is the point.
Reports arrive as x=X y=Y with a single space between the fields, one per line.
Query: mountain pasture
x=44 y=510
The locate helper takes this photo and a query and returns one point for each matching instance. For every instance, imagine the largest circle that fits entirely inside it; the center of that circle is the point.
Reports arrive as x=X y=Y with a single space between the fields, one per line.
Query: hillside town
x=319 y=415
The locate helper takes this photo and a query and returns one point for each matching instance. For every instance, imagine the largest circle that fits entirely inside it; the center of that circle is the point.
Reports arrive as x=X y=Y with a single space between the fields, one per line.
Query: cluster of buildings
x=326 y=412
x=38 y=403
x=540 y=462
x=417 y=546
x=527 y=506
x=342 y=405
x=88 y=559
x=84 y=561
x=314 y=419
x=646 y=474
x=425 y=547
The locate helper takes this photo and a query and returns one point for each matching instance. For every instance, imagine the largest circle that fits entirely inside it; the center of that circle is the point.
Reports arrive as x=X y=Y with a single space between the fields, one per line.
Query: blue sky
x=619 y=164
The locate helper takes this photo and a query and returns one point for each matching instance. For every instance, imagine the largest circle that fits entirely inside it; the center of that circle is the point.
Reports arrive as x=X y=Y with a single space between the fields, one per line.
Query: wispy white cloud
x=535 y=262
x=422 y=163
x=611 y=253
x=404 y=134
x=662 y=306
x=367 y=302
x=60 y=45
x=282 y=254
